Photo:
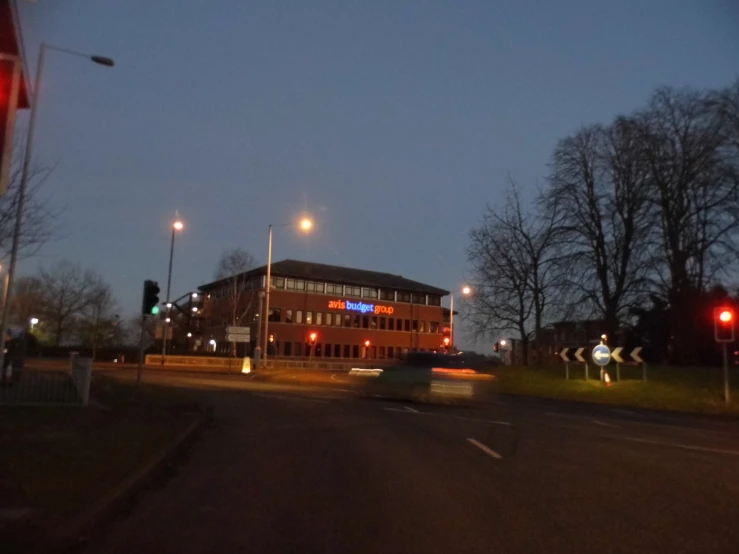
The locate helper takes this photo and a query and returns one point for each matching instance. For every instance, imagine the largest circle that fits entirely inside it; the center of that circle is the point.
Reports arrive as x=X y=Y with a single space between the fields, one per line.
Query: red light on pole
x=726 y=316
x=367 y=343
x=724 y=324
x=313 y=337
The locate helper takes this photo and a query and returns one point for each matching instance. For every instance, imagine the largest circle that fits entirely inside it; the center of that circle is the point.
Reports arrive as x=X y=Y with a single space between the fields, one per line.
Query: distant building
x=344 y=307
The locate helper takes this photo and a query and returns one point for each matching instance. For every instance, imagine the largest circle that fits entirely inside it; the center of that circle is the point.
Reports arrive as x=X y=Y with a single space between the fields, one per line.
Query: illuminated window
x=298 y=316
x=308 y=318
x=337 y=320
x=319 y=318
x=422 y=326
x=329 y=319
x=373 y=322
x=288 y=316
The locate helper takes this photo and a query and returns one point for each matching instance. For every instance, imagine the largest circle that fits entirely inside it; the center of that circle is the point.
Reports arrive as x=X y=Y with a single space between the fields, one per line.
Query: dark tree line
x=639 y=214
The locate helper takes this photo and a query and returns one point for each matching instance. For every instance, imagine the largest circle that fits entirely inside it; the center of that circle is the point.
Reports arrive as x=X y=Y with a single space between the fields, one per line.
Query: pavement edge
x=107 y=506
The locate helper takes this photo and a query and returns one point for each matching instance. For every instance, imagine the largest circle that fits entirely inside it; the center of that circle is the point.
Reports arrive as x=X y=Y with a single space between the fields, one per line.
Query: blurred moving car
x=425 y=377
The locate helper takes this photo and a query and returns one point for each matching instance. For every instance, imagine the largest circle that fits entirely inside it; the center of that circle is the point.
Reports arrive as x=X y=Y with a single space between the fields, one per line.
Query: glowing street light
x=306 y=225
x=466 y=291
x=189 y=335
x=194 y=309
x=34 y=321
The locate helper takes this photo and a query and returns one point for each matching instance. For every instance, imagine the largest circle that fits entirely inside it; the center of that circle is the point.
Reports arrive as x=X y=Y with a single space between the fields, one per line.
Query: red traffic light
x=367 y=343
x=723 y=319
x=446 y=341
x=313 y=337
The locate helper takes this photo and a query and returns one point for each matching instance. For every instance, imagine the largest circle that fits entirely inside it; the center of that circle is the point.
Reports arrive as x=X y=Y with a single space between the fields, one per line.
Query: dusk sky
x=392 y=122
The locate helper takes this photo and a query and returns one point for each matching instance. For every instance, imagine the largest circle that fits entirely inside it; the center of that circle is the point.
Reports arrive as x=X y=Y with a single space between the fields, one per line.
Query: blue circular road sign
x=601 y=354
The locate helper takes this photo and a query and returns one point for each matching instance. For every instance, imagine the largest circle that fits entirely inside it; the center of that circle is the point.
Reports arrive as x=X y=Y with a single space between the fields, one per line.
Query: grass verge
x=697 y=390
x=58 y=461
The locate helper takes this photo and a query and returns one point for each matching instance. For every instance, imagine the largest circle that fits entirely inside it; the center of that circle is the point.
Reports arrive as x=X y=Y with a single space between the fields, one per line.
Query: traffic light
x=724 y=322
x=10 y=79
x=150 y=305
x=313 y=337
x=271 y=338
x=366 y=343
x=496 y=347
x=446 y=342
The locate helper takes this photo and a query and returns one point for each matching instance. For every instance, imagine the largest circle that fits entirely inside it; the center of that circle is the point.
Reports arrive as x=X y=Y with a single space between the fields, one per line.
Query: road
x=298 y=469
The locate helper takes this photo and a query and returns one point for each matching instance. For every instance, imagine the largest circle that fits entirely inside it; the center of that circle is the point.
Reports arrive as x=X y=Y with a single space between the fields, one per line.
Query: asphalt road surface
x=295 y=469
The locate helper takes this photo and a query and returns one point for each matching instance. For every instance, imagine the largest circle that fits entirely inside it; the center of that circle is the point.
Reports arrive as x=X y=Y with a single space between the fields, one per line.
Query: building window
x=390 y=324
x=433 y=326
x=347 y=351
x=414 y=326
x=352 y=291
x=319 y=350
x=290 y=284
x=335 y=289
x=355 y=351
x=327 y=351
x=355 y=321
x=383 y=324
x=309 y=318
x=365 y=322
x=288 y=316
x=298 y=349
x=298 y=316
x=419 y=298
x=274 y=314
x=278 y=282
x=434 y=300
x=299 y=284
x=403 y=296
x=373 y=322
x=347 y=320
x=288 y=348
x=422 y=326
x=329 y=319
x=369 y=293
x=319 y=318
x=388 y=295
x=312 y=286
x=381 y=352
x=337 y=351
x=337 y=320
x=407 y=325
x=390 y=352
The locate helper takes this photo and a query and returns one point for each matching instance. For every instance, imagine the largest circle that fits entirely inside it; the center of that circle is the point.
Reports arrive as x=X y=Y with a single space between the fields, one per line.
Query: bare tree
x=232 y=268
x=514 y=270
x=598 y=182
x=26 y=301
x=692 y=155
x=39 y=218
x=68 y=291
x=100 y=324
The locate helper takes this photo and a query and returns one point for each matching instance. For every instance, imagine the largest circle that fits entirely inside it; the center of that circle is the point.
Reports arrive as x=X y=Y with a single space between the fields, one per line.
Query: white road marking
x=683 y=446
x=290 y=398
x=604 y=424
x=411 y=409
x=485 y=449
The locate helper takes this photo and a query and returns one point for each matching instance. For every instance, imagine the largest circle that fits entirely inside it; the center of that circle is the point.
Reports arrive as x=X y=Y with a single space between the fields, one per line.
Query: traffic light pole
x=141 y=351
x=727 y=392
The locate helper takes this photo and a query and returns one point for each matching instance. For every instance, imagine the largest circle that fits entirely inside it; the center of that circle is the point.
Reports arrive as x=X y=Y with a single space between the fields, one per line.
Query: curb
x=107 y=506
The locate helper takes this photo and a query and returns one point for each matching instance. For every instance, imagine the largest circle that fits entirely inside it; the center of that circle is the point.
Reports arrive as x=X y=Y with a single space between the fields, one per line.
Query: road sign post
x=638 y=359
x=616 y=356
x=579 y=358
x=566 y=359
x=601 y=356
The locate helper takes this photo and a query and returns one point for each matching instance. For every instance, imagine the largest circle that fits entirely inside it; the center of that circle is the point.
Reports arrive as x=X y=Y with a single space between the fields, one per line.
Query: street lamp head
x=194 y=309
x=167 y=320
x=178 y=225
x=189 y=335
x=102 y=60
x=34 y=321
x=169 y=304
x=306 y=224
x=194 y=294
x=466 y=290
x=503 y=342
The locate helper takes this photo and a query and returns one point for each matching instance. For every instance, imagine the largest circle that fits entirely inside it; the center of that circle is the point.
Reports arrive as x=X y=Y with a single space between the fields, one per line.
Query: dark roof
x=338 y=274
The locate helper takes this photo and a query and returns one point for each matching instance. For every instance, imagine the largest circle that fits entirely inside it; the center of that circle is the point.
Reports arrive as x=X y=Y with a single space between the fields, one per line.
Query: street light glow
x=503 y=342
x=194 y=294
x=189 y=335
x=167 y=320
x=178 y=225
x=34 y=320
x=169 y=304
x=725 y=316
x=466 y=290
x=306 y=224
x=194 y=309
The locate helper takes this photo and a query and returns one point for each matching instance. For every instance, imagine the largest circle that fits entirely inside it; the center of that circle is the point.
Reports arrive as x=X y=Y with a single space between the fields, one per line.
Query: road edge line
x=489 y=451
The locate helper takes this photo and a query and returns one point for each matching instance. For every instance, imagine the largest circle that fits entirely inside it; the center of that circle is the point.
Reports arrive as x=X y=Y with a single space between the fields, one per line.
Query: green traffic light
x=155 y=310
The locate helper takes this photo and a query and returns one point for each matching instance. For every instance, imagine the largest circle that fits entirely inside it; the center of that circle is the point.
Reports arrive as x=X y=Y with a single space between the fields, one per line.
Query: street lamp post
x=465 y=291
x=28 y=150
x=176 y=226
x=306 y=225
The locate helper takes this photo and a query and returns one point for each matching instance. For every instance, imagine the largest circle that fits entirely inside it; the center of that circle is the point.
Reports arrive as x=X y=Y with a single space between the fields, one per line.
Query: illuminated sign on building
x=360 y=307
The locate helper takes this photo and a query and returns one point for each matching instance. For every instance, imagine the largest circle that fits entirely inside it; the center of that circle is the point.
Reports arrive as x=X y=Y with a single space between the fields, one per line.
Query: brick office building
x=344 y=307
